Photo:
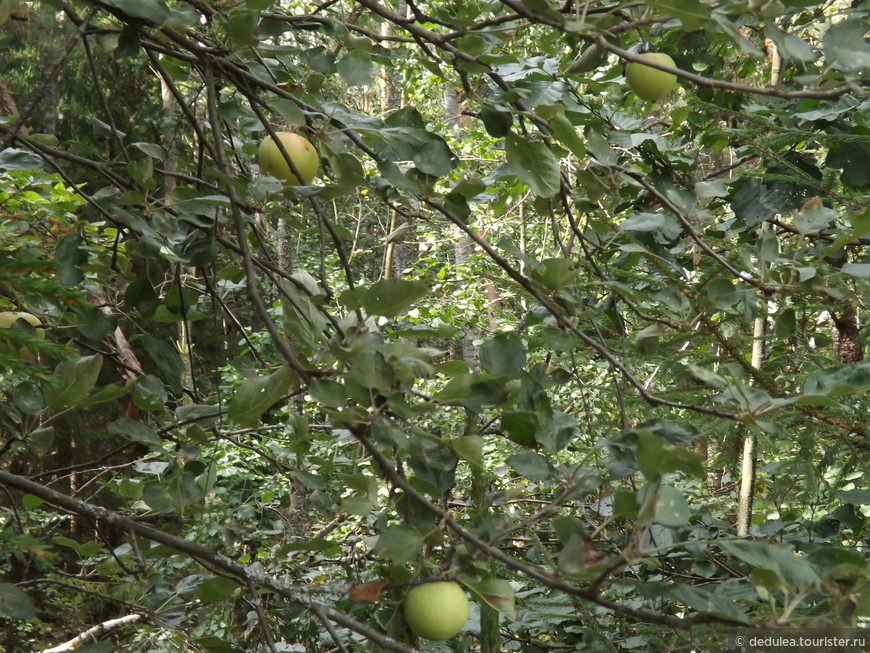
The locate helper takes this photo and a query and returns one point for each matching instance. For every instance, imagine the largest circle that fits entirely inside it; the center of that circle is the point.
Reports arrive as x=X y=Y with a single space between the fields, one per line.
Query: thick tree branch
x=202 y=554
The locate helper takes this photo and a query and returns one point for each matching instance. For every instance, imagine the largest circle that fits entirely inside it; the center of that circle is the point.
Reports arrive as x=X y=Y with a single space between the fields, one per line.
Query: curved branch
x=203 y=555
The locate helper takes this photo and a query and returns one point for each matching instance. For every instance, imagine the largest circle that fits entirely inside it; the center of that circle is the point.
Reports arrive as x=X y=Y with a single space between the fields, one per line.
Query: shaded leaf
x=671 y=508
x=76 y=379
x=534 y=164
x=399 y=544
x=531 y=465
x=153 y=10
x=845 y=45
x=256 y=396
x=389 y=297
x=504 y=354
x=15 y=604
x=496 y=593
x=216 y=589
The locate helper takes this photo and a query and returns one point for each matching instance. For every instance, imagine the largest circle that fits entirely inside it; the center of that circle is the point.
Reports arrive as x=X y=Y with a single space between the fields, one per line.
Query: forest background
x=599 y=360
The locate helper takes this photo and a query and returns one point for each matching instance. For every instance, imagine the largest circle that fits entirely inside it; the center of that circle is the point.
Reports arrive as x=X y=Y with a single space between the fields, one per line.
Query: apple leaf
x=76 y=379
x=531 y=465
x=671 y=508
x=153 y=10
x=15 y=604
x=434 y=158
x=534 y=164
x=845 y=45
x=691 y=13
x=504 y=354
x=136 y=431
x=789 y=45
x=256 y=396
x=860 y=270
x=356 y=68
x=814 y=216
x=400 y=544
x=567 y=134
x=498 y=594
x=216 y=589
x=15 y=159
x=389 y=297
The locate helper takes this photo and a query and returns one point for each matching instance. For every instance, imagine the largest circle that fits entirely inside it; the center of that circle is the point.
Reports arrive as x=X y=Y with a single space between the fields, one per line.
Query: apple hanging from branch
x=301 y=153
x=11 y=347
x=436 y=611
x=651 y=83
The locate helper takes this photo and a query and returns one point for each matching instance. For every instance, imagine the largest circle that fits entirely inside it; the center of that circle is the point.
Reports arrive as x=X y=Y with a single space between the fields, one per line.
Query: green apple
x=650 y=83
x=11 y=347
x=301 y=153
x=436 y=611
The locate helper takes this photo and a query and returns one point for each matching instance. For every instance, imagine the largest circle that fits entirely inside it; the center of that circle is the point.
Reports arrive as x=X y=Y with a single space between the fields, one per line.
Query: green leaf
x=555 y=273
x=356 y=68
x=655 y=457
x=845 y=45
x=503 y=355
x=390 y=297
x=156 y=496
x=785 y=324
x=474 y=391
x=153 y=10
x=328 y=392
x=813 y=217
x=241 y=27
x=434 y=158
x=521 y=427
x=795 y=572
x=702 y=600
x=70 y=256
x=671 y=508
x=256 y=396
x=497 y=122
x=845 y=380
x=15 y=159
x=789 y=45
x=470 y=449
x=75 y=379
x=29 y=501
x=534 y=164
x=135 y=431
x=151 y=149
x=399 y=544
x=96 y=325
x=691 y=13
x=860 y=270
x=498 y=594
x=572 y=556
x=149 y=393
x=567 y=134
x=600 y=148
x=858 y=497
x=216 y=589
x=646 y=341
x=531 y=465
x=722 y=293
x=15 y=604
x=765 y=582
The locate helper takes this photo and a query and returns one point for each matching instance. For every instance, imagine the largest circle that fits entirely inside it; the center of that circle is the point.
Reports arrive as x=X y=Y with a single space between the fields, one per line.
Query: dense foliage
x=600 y=360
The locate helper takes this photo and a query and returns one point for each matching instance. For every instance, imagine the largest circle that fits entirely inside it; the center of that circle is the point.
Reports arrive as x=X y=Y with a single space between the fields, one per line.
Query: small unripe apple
x=650 y=83
x=10 y=347
x=301 y=153
x=436 y=611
